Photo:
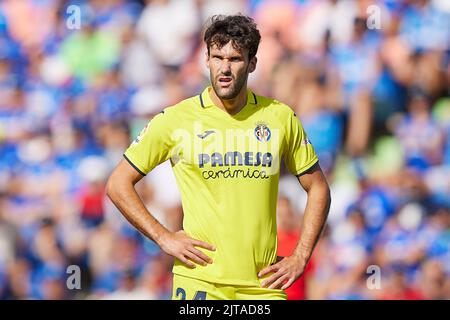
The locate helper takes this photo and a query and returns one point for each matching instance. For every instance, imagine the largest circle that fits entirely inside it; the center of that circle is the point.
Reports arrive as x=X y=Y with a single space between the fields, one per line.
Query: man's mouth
x=225 y=81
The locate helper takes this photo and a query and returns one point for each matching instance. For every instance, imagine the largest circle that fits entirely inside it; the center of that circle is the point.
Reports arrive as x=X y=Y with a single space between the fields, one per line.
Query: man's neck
x=232 y=106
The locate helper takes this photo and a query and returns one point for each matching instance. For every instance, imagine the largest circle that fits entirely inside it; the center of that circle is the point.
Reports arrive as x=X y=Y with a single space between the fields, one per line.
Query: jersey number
x=181 y=294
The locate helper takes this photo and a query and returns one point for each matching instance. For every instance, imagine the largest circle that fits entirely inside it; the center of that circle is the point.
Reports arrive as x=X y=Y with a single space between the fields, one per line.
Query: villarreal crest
x=262 y=132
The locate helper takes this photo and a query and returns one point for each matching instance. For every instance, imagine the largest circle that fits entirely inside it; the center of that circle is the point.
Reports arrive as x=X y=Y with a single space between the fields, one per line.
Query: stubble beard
x=232 y=91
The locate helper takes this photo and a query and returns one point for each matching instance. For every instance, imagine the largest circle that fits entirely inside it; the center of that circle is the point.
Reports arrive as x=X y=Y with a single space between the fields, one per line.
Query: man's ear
x=252 y=64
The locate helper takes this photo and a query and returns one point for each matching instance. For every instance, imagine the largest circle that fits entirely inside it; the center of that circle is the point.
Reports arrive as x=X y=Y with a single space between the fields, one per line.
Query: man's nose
x=225 y=67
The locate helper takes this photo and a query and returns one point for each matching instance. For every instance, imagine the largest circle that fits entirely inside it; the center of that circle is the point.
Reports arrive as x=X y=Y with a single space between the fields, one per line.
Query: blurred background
x=370 y=81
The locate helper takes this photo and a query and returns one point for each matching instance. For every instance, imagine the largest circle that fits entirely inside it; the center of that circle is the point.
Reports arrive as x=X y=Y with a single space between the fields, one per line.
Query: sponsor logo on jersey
x=205 y=134
x=236 y=158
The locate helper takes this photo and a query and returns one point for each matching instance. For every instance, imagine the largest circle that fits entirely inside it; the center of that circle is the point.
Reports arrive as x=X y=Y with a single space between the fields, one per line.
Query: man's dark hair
x=240 y=29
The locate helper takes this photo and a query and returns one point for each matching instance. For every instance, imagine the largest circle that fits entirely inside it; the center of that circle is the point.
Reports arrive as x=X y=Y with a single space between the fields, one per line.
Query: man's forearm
x=314 y=219
x=126 y=199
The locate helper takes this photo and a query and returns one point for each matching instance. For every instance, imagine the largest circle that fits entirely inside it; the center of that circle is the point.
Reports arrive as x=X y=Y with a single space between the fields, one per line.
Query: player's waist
x=233 y=263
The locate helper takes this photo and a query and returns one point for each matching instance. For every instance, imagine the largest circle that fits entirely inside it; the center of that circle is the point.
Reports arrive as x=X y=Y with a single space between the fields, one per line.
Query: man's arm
x=120 y=189
x=289 y=269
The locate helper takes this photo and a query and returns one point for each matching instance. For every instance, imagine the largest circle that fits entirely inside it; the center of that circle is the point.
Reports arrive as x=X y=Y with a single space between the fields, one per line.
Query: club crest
x=262 y=132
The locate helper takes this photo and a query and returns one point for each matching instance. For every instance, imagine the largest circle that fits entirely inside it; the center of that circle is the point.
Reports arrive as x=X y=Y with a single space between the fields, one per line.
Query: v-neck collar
x=206 y=102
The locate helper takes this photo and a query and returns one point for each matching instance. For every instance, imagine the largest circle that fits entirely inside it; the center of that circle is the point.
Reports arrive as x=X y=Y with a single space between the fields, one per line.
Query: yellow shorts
x=185 y=288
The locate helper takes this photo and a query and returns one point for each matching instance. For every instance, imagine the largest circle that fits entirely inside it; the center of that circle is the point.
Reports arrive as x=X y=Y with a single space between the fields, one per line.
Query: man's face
x=229 y=69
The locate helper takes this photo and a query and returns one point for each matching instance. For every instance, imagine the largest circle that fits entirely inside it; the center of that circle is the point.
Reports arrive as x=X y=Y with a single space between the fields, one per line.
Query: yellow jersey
x=227 y=170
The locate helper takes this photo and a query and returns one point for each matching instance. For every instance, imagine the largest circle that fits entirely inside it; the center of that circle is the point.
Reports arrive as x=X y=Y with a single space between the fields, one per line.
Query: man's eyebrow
x=231 y=56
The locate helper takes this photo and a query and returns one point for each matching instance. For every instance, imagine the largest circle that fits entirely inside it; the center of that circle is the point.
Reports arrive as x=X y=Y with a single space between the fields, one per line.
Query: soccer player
x=225 y=146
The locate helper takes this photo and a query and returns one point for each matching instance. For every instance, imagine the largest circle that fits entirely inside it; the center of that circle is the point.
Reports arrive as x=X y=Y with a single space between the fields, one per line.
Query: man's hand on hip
x=181 y=246
x=285 y=272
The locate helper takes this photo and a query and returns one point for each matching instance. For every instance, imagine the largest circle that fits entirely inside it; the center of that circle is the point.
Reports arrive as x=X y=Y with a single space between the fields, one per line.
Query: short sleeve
x=152 y=146
x=299 y=154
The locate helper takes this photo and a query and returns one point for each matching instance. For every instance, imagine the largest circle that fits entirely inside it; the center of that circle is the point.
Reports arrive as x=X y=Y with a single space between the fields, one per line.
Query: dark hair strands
x=240 y=29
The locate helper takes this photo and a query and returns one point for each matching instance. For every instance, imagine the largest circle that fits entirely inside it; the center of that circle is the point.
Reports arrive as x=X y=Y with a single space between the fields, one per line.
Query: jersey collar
x=206 y=102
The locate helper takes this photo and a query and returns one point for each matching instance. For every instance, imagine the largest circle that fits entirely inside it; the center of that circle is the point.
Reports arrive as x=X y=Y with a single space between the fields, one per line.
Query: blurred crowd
x=370 y=81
